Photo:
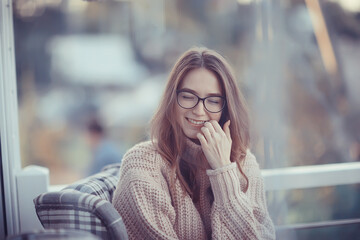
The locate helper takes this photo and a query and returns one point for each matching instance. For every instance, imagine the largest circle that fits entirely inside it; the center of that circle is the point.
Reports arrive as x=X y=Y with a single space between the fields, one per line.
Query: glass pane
x=90 y=74
x=303 y=82
x=296 y=61
x=330 y=233
x=316 y=205
x=79 y=60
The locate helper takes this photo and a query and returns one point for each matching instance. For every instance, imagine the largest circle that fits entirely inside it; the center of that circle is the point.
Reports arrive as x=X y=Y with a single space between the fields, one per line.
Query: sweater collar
x=193 y=155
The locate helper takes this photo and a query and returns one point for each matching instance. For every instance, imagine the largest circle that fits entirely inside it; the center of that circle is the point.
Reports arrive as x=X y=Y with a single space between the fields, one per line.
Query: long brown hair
x=167 y=135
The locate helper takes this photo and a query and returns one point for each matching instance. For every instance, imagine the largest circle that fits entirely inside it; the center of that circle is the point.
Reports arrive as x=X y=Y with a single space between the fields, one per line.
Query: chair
x=84 y=205
x=54 y=234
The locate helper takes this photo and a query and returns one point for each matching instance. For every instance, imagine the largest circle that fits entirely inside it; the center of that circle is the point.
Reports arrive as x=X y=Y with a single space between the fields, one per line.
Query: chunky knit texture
x=151 y=209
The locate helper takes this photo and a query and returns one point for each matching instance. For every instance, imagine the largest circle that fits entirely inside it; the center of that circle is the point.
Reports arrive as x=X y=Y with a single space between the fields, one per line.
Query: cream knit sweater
x=152 y=210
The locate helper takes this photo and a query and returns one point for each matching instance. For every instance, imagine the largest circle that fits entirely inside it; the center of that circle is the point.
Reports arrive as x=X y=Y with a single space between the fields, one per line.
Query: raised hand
x=216 y=143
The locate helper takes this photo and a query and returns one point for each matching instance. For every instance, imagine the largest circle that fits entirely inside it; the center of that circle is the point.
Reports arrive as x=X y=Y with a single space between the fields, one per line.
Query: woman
x=196 y=178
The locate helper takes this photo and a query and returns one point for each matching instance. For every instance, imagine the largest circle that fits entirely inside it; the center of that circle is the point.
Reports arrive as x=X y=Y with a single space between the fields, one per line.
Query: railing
x=310 y=177
x=301 y=178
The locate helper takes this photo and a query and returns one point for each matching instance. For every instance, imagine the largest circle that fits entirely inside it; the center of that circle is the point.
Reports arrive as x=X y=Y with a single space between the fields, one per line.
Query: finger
x=206 y=133
x=217 y=127
x=210 y=126
x=227 y=129
x=201 y=139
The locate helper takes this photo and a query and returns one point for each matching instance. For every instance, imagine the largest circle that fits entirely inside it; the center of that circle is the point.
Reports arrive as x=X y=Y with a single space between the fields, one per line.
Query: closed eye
x=214 y=101
x=188 y=97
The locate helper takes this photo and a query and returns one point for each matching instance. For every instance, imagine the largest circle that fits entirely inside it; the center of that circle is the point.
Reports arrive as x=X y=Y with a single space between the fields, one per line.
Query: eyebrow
x=196 y=93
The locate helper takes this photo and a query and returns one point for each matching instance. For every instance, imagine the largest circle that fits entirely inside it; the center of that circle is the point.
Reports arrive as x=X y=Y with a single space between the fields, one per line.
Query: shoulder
x=142 y=157
x=143 y=148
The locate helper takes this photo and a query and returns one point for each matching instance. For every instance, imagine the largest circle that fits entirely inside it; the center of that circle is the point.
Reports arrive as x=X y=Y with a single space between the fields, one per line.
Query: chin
x=191 y=135
x=193 y=138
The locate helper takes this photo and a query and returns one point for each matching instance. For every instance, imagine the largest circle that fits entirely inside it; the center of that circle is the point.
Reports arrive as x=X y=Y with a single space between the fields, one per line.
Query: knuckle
x=213 y=122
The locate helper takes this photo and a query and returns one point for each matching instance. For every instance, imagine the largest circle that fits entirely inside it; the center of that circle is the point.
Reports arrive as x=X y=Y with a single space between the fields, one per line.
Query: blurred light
x=95 y=60
x=77 y=6
x=245 y=1
x=52 y=3
x=136 y=106
x=31 y=8
x=28 y=8
x=349 y=5
x=107 y=0
x=259 y=32
x=322 y=36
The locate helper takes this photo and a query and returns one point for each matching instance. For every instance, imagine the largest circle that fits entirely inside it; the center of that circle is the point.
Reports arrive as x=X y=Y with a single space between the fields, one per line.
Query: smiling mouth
x=196 y=122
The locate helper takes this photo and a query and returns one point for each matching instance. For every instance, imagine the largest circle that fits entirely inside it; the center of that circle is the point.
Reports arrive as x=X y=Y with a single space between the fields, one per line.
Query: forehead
x=201 y=81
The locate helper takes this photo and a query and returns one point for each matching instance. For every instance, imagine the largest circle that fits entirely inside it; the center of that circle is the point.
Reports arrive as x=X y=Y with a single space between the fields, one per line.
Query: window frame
x=292 y=178
x=9 y=127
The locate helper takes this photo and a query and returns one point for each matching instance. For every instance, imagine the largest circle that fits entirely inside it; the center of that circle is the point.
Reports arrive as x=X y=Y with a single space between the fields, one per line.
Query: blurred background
x=90 y=75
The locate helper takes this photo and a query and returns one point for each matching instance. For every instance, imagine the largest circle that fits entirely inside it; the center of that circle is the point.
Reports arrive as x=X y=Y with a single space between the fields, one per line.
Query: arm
x=143 y=201
x=235 y=214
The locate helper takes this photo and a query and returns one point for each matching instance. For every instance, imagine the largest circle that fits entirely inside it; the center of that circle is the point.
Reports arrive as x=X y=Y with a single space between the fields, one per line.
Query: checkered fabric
x=85 y=205
x=102 y=184
x=54 y=234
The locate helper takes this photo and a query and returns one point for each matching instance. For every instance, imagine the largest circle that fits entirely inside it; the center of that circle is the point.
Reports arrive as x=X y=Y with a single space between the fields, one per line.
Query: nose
x=199 y=109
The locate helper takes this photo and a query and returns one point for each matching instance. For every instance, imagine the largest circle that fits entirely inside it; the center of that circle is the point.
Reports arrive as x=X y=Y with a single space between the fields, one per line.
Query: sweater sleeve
x=235 y=214
x=143 y=201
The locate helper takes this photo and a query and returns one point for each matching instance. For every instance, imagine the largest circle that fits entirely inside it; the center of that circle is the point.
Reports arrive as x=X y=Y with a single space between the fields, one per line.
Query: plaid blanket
x=53 y=234
x=84 y=205
x=102 y=184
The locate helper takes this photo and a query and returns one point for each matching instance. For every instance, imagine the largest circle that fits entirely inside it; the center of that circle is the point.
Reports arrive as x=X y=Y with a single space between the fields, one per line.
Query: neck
x=196 y=141
x=194 y=155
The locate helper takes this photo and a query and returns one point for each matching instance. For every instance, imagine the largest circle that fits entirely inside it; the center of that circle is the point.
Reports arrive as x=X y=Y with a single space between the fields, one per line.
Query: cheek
x=179 y=114
x=215 y=116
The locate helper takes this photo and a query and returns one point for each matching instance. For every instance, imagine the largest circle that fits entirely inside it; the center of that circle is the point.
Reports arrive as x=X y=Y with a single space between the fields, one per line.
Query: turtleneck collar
x=193 y=155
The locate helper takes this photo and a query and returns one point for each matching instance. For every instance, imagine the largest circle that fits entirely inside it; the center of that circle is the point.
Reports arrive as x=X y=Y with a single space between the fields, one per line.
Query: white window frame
x=9 y=126
x=312 y=176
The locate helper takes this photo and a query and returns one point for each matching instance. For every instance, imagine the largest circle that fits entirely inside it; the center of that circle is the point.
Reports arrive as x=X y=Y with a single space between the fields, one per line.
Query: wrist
x=218 y=165
x=225 y=183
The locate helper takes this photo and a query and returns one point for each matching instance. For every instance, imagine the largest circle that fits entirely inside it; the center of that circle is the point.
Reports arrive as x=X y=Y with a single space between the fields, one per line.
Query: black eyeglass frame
x=199 y=98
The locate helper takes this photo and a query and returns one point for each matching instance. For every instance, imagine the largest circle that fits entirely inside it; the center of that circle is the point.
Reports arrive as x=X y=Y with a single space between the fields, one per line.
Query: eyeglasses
x=188 y=100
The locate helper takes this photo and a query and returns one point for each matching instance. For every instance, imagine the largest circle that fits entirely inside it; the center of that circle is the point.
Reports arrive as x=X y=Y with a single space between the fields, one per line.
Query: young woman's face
x=202 y=83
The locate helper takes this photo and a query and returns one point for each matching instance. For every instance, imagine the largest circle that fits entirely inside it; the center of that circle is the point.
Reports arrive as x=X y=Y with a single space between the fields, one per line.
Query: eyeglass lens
x=189 y=100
